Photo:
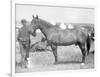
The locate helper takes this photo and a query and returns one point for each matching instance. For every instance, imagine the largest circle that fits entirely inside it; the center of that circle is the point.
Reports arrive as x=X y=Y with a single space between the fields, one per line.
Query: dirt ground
x=69 y=58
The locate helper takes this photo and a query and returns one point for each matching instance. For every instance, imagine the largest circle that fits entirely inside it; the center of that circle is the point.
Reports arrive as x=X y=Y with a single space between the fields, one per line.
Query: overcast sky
x=55 y=14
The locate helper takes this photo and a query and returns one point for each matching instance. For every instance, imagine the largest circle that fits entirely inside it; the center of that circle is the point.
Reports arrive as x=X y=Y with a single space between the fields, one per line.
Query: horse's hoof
x=92 y=52
x=82 y=64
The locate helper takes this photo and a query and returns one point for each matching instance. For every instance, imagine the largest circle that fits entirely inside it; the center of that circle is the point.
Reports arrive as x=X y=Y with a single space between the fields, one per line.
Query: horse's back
x=69 y=35
x=58 y=35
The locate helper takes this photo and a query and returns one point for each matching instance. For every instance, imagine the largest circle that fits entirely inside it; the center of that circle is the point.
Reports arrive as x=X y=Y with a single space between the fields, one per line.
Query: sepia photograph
x=54 y=38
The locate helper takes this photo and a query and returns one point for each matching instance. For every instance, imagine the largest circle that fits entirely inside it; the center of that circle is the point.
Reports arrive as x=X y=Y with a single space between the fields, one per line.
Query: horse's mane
x=47 y=24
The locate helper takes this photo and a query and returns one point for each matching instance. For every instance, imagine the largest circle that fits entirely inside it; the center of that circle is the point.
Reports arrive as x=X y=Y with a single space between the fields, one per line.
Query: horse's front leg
x=54 y=49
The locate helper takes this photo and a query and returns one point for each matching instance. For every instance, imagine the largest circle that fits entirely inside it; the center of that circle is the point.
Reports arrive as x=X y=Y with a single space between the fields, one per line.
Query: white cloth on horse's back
x=53 y=23
x=82 y=28
x=62 y=26
x=70 y=26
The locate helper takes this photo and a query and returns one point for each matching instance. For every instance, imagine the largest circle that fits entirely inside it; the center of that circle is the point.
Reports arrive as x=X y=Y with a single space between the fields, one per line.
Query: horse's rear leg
x=83 y=50
x=54 y=49
x=84 y=55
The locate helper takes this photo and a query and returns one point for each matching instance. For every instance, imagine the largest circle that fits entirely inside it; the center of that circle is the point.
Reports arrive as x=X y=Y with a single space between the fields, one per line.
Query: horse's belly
x=68 y=39
x=63 y=39
x=66 y=43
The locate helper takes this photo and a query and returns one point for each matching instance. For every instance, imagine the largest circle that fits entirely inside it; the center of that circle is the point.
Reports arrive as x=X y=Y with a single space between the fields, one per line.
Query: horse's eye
x=34 y=22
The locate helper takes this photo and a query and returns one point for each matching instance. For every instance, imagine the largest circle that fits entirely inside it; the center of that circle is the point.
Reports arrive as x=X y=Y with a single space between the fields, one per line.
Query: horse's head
x=35 y=23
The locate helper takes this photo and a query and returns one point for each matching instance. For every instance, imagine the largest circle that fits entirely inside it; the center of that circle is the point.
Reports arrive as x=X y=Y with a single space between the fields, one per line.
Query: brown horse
x=58 y=37
x=24 y=40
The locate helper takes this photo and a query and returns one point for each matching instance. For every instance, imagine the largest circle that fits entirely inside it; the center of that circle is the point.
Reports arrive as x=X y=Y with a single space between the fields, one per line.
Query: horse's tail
x=88 y=44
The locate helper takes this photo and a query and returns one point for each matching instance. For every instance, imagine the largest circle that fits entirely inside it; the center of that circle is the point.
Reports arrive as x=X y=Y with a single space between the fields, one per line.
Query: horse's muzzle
x=34 y=34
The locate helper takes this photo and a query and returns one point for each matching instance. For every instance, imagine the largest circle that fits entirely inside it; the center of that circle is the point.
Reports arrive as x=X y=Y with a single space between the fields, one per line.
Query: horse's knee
x=55 y=54
x=84 y=52
x=83 y=55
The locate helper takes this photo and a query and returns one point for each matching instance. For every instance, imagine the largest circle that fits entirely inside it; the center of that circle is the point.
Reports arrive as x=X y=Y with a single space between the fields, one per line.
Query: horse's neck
x=44 y=26
x=44 y=30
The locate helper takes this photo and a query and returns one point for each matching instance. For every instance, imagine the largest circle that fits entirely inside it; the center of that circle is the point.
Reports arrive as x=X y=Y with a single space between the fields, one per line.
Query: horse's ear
x=33 y=16
x=36 y=16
